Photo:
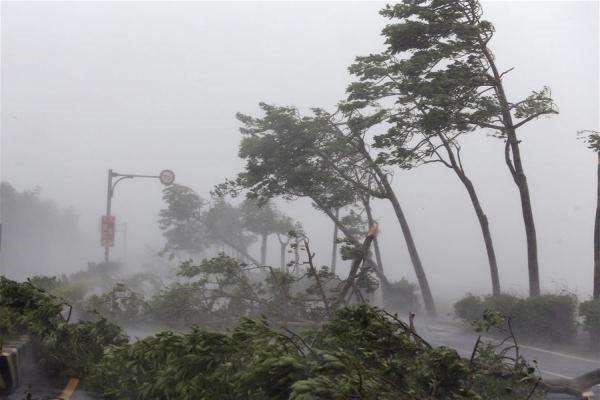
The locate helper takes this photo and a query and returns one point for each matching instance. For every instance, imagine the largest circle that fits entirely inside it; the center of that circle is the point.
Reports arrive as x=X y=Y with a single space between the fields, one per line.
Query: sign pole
x=108 y=209
x=166 y=177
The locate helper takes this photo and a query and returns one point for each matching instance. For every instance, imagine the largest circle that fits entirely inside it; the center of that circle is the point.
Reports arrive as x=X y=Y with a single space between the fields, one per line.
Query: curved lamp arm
x=112 y=189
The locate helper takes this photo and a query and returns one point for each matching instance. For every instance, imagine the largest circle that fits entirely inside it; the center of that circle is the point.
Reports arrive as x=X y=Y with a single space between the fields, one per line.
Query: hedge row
x=550 y=317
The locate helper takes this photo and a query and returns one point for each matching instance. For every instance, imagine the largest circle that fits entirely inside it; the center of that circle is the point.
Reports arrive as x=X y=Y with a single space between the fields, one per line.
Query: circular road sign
x=166 y=177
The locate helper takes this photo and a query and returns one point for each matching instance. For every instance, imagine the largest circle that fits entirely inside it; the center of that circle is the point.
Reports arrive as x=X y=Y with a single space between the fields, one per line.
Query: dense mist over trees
x=172 y=90
x=357 y=201
x=38 y=236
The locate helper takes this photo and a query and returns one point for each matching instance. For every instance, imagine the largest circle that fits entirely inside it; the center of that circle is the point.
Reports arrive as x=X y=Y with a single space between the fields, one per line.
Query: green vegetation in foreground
x=63 y=348
x=361 y=353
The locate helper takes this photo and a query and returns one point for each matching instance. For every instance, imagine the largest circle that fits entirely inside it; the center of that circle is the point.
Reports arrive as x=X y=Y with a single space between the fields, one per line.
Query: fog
x=143 y=86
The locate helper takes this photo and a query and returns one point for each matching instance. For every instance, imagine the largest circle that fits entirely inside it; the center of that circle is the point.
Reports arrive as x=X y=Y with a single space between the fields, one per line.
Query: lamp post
x=166 y=177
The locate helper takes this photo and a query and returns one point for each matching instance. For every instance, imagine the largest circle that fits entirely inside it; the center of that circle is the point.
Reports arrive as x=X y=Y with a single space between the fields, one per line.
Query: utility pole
x=109 y=195
x=166 y=177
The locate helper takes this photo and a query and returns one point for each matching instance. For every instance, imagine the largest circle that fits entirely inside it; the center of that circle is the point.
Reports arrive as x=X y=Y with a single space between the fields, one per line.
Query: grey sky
x=143 y=86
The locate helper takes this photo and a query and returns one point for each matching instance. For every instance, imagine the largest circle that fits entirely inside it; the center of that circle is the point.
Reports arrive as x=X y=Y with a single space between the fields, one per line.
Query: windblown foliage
x=63 y=348
x=361 y=353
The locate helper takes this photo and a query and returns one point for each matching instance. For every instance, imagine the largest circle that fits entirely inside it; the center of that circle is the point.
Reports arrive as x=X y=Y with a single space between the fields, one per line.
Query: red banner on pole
x=107 y=231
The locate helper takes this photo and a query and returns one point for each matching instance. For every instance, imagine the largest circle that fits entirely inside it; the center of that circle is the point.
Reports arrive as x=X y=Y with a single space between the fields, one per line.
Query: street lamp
x=166 y=177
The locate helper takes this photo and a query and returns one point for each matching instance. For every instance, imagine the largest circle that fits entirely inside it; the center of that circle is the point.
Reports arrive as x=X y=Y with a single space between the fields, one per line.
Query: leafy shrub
x=590 y=311
x=64 y=348
x=550 y=317
x=120 y=304
x=402 y=295
x=179 y=305
x=505 y=304
x=469 y=308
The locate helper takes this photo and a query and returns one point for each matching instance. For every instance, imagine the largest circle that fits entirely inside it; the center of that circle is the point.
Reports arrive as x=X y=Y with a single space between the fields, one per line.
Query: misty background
x=144 y=86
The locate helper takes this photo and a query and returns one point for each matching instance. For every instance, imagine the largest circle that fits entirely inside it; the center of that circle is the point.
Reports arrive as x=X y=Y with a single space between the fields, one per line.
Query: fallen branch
x=349 y=283
x=315 y=274
x=576 y=386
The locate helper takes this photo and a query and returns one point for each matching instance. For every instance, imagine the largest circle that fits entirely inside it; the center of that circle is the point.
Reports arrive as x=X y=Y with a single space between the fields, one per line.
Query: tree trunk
x=243 y=252
x=456 y=166
x=367 y=205
x=335 y=244
x=282 y=250
x=414 y=257
x=597 y=239
x=263 y=250
x=315 y=274
x=521 y=181
x=355 y=266
x=410 y=243
x=485 y=231
x=384 y=281
x=518 y=174
x=369 y=211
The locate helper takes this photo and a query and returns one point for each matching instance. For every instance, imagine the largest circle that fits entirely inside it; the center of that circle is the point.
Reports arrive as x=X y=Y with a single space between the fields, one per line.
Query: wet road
x=552 y=362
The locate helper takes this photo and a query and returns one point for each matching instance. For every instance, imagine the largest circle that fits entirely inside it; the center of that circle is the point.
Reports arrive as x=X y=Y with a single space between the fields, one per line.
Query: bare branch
x=506 y=72
x=533 y=116
x=576 y=386
x=314 y=271
x=356 y=264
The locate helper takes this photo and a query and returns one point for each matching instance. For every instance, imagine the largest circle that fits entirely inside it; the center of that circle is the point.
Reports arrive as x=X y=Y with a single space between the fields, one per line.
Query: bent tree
x=416 y=132
x=292 y=156
x=349 y=156
x=440 y=49
x=281 y=162
x=592 y=139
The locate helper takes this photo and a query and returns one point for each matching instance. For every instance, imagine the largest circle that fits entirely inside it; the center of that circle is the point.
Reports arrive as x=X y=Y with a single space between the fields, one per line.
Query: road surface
x=552 y=363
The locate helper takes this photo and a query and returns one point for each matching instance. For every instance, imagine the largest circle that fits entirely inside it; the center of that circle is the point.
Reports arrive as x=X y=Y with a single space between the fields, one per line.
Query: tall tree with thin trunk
x=597 y=236
x=438 y=57
x=413 y=140
x=592 y=139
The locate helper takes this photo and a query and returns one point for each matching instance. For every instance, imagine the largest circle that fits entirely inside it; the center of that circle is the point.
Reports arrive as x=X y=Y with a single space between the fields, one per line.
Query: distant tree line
x=38 y=235
x=192 y=225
